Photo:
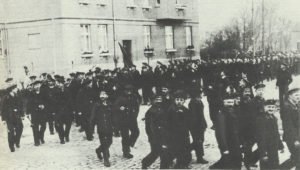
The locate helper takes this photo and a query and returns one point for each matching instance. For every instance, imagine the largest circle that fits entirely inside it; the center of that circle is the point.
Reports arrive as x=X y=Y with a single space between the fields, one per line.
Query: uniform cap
x=32 y=77
x=8 y=80
x=36 y=83
x=258 y=86
x=292 y=91
x=270 y=102
x=10 y=88
x=72 y=74
x=180 y=94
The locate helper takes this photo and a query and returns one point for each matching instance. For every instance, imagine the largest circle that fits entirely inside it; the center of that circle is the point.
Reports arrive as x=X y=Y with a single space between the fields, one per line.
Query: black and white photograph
x=150 y=84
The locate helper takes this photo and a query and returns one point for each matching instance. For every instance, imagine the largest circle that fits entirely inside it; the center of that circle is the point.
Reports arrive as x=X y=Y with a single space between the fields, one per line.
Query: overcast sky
x=217 y=13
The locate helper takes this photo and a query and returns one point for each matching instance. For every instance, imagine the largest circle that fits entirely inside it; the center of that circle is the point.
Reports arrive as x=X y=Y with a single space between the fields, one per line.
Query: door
x=127 y=46
x=127 y=54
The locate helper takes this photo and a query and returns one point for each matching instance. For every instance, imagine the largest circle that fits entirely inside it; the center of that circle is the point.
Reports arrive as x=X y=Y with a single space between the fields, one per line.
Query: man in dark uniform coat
x=84 y=100
x=64 y=115
x=156 y=130
x=126 y=108
x=179 y=127
x=227 y=132
x=284 y=79
x=198 y=126
x=247 y=124
x=102 y=116
x=267 y=136
x=291 y=125
x=146 y=84
x=37 y=109
x=12 y=114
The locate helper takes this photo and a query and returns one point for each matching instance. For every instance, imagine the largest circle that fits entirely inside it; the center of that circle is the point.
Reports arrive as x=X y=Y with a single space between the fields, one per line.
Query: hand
x=265 y=158
x=297 y=144
x=164 y=146
x=122 y=108
x=41 y=106
x=79 y=113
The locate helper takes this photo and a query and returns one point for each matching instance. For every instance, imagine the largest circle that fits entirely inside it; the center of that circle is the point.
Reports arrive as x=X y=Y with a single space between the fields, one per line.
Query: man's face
x=283 y=67
x=270 y=109
x=260 y=92
x=296 y=96
x=14 y=91
x=164 y=90
x=81 y=76
x=128 y=92
x=103 y=95
x=179 y=101
x=37 y=88
x=247 y=92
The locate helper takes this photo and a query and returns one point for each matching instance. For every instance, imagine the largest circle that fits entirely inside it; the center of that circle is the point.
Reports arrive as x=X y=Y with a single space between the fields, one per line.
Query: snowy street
x=80 y=153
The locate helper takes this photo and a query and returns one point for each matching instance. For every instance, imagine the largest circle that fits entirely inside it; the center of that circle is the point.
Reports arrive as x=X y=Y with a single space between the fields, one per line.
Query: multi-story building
x=58 y=35
x=295 y=38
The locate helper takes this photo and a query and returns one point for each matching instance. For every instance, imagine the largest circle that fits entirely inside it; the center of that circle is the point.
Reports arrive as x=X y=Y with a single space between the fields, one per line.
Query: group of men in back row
x=110 y=99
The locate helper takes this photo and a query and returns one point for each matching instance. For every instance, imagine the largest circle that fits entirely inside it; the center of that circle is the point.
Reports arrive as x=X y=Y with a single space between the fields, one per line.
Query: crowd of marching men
x=110 y=100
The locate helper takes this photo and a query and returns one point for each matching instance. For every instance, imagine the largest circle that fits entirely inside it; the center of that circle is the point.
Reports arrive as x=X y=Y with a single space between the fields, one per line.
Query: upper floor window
x=34 y=41
x=169 y=36
x=1 y=43
x=103 y=39
x=86 y=46
x=158 y=2
x=146 y=4
x=131 y=4
x=189 y=36
x=147 y=36
x=298 y=46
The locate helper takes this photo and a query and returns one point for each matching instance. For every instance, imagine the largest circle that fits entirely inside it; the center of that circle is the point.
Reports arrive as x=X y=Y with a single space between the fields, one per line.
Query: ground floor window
x=86 y=38
x=169 y=36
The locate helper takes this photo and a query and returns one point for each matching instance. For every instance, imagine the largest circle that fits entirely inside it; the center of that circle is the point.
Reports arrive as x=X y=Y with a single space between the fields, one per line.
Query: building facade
x=60 y=35
x=295 y=38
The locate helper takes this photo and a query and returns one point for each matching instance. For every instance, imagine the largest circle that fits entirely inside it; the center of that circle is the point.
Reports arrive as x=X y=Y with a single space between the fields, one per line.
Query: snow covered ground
x=80 y=153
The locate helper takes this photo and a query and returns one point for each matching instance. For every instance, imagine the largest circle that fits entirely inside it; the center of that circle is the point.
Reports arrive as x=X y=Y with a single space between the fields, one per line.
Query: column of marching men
x=110 y=100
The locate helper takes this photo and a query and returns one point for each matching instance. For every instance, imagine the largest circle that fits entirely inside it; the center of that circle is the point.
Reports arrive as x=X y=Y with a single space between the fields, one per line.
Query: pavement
x=80 y=153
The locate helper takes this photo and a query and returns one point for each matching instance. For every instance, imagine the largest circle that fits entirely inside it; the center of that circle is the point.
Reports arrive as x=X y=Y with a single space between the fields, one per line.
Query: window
x=169 y=37
x=188 y=34
x=34 y=41
x=178 y=2
x=146 y=3
x=85 y=39
x=103 y=39
x=298 y=46
x=147 y=36
x=157 y=2
x=1 y=43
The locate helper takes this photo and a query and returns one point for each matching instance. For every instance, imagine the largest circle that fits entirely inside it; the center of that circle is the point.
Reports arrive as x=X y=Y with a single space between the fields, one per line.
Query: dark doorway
x=127 y=46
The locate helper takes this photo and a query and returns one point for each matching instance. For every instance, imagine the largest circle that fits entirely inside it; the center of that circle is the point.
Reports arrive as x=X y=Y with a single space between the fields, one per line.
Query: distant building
x=58 y=35
x=295 y=42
